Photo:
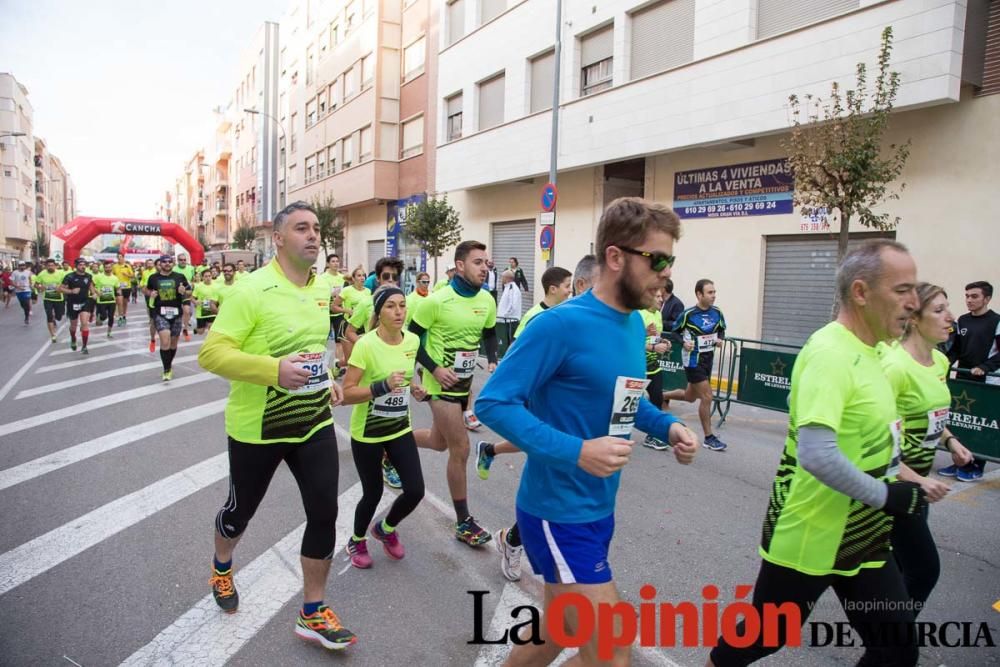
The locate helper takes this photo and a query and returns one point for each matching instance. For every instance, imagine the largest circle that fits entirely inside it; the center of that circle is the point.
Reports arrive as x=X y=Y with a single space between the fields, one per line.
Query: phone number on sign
x=731 y=208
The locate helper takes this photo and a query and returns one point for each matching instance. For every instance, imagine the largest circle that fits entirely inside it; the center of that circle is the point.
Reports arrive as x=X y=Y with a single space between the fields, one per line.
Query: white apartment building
x=17 y=161
x=656 y=94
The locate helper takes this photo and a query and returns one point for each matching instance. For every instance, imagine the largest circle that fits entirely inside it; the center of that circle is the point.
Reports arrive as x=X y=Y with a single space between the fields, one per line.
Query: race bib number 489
x=628 y=393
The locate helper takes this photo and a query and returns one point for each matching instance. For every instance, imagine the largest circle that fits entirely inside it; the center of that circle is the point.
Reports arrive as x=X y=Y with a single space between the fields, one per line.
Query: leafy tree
x=244 y=236
x=836 y=151
x=331 y=227
x=41 y=244
x=433 y=225
x=203 y=241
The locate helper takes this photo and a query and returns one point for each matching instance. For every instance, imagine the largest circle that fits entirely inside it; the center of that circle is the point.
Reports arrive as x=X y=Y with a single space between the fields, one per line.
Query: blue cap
x=167 y=258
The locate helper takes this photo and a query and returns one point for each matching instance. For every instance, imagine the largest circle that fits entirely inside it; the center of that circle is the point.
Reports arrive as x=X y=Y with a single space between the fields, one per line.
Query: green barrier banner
x=765 y=378
x=975 y=416
x=673 y=369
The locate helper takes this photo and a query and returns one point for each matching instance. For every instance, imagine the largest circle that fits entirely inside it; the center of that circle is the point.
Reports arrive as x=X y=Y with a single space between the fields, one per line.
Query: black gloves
x=904 y=498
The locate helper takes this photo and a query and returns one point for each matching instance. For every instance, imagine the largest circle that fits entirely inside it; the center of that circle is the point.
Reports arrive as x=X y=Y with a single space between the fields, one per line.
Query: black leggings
x=917 y=556
x=315 y=466
x=879 y=586
x=655 y=389
x=402 y=453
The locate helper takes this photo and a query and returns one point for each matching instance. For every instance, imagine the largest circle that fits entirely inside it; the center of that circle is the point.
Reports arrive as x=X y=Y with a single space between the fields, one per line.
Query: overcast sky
x=123 y=91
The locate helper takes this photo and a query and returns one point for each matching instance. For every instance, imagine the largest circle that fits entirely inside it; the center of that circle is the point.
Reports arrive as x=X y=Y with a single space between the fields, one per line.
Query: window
x=350 y=13
x=334 y=94
x=413 y=137
x=347 y=147
x=490 y=9
x=366 y=143
x=321 y=103
x=295 y=121
x=334 y=34
x=310 y=168
x=332 y=153
x=542 y=81
x=310 y=113
x=348 y=84
x=367 y=70
x=456 y=21
x=491 y=96
x=651 y=53
x=8 y=173
x=778 y=16
x=413 y=59
x=454 y=119
x=596 y=61
x=309 y=65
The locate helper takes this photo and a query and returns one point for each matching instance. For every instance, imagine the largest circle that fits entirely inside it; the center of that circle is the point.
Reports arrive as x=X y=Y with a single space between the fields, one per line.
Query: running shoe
x=655 y=443
x=713 y=443
x=483 y=460
x=510 y=557
x=471 y=533
x=969 y=474
x=109 y=335
x=152 y=346
x=53 y=340
x=324 y=627
x=389 y=475
x=359 y=554
x=72 y=345
x=224 y=590
x=84 y=350
x=471 y=421
x=390 y=542
x=948 y=471
x=187 y=336
x=168 y=376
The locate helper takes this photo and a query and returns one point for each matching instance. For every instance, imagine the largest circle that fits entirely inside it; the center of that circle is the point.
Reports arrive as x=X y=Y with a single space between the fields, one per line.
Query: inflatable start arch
x=80 y=231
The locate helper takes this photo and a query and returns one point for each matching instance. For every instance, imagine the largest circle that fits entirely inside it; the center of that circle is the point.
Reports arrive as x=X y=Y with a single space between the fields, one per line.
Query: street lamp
x=282 y=131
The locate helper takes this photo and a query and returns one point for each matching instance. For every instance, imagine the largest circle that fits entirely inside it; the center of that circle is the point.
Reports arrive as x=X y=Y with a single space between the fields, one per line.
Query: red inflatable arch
x=80 y=231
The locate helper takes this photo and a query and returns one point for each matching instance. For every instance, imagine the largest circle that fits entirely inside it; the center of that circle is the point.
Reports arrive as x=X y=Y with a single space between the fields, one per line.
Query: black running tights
x=402 y=453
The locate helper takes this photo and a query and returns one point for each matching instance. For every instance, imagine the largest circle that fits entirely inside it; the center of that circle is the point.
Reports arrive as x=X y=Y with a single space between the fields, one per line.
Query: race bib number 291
x=628 y=393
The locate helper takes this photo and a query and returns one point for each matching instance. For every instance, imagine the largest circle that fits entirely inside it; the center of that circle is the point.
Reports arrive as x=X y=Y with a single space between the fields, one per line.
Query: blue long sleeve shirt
x=555 y=389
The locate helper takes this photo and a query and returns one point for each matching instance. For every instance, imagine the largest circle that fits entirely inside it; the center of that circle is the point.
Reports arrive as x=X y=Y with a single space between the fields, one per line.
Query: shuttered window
x=596 y=60
x=456 y=21
x=413 y=137
x=454 y=106
x=778 y=16
x=662 y=37
x=515 y=239
x=413 y=59
x=491 y=100
x=542 y=79
x=490 y=9
x=376 y=251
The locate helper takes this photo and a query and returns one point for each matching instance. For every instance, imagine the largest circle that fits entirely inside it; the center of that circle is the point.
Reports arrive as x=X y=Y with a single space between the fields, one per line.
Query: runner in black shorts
x=166 y=290
x=702 y=328
x=77 y=286
x=107 y=287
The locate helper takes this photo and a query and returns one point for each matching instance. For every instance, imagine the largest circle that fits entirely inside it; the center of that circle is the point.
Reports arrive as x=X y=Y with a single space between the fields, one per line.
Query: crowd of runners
x=848 y=508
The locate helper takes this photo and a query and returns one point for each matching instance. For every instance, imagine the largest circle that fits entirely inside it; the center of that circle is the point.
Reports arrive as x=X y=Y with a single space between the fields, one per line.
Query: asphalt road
x=110 y=481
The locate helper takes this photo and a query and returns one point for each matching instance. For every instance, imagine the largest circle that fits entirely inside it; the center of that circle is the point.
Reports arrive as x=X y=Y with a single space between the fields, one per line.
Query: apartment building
x=355 y=100
x=54 y=195
x=657 y=96
x=17 y=160
x=216 y=230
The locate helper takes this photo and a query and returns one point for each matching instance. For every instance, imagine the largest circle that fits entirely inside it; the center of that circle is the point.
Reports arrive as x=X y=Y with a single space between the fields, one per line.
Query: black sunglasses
x=657 y=260
x=390 y=276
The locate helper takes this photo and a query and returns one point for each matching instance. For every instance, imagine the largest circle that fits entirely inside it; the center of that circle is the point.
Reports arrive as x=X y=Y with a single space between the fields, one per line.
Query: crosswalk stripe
x=78 y=409
x=103 y=375
x=93 y=359
x=24 y=369
x=46 y=464
x=41 y=554
x=204 y=635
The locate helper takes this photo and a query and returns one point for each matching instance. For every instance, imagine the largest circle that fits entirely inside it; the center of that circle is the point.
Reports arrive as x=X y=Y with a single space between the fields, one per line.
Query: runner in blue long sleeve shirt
x=571 y=405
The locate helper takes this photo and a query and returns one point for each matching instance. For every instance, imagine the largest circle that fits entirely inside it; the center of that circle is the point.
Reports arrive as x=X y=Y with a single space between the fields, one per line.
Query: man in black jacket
x=976 y=348
x=672 y=307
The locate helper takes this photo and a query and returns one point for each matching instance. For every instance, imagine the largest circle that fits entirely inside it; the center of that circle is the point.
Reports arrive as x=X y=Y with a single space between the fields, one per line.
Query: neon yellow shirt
x=923 y=401
x=439 y=285
x=838 y=383
x=50 y=282
x=204 y=295
x=386 y=417
x=412 y=299
x=528 y=316
x=272 y=317
x=124 y=274
x=652 y=358
x=350 y=296
x=106 y=286
x=454 y=325
x=222 y=290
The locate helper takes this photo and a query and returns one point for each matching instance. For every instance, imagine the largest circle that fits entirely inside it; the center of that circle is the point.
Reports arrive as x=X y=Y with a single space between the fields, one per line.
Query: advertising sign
x=765 y=378
x=736 y=190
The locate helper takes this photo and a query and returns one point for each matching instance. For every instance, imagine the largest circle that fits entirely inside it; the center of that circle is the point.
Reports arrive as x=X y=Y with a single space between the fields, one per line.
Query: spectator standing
x=672 y=307
x=508 y=309
x=519 y=279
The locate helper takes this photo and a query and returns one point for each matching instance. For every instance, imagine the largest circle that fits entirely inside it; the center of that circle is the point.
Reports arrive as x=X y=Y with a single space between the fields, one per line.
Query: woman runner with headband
x=379 y=383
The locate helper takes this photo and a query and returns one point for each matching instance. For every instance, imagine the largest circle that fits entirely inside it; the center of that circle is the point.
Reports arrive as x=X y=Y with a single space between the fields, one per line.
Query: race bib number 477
x=628 y=393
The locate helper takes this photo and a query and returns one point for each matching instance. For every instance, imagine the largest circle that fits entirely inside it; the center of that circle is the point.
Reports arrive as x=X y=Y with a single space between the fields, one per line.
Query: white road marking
x=24 y=369
x=133 y=349
x=80 y=409
x=33 y=558
x=103 y=375
x=205 y=636
x=84 y=450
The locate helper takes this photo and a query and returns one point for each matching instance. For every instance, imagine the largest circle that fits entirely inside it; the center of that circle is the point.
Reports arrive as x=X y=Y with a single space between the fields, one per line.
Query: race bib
x=107 y=291
x=707 y=342
x=465 y=363
x=50 y=289
x=206 y=304
x=169 y=312
x=393 y=405
x=936 y=421
x=123 y=285
x=896 y=429
x=319 y=376
x=628 y=391
x=77 y=307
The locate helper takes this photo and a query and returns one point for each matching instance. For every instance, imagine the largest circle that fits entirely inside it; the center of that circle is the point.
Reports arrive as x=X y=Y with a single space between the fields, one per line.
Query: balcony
x=38 y=161
x=16 y=228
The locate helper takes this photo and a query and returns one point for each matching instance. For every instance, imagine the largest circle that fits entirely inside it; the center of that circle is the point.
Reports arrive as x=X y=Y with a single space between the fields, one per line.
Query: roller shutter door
x=376 y=251
x=515 y=239
x=799 y=285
